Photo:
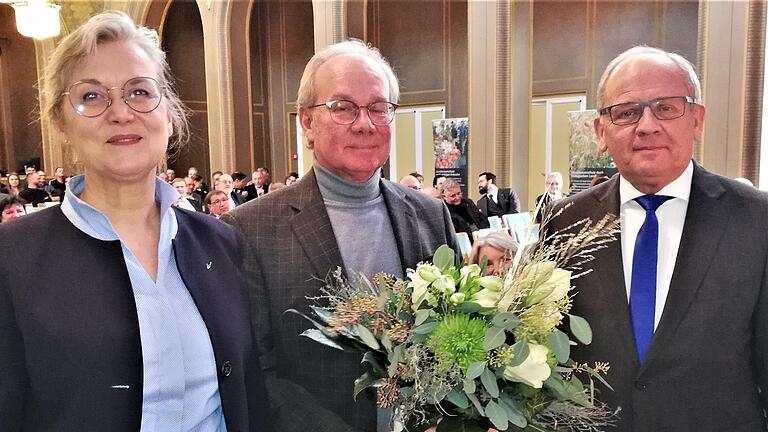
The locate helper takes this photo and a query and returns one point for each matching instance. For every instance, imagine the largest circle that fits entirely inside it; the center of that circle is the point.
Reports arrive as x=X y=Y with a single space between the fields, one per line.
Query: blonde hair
x=104 y=28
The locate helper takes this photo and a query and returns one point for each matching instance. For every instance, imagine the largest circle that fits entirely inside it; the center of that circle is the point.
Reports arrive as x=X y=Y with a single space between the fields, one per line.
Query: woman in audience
x=291 y=178
x=11 y=208
x=145 y=326
x=14 y=184
x=499 y=247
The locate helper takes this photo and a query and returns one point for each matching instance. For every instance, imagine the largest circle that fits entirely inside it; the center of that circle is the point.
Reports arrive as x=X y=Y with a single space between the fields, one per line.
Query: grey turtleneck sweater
x=360 y=223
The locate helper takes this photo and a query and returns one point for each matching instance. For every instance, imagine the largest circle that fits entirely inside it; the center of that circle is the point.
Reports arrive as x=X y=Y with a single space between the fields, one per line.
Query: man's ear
x=307 y=123
x=600 y=132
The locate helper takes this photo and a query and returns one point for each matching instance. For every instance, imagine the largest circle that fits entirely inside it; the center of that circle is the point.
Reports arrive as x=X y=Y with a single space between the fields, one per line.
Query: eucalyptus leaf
x=494 y=338
x=457 y=398
x=322 y=313
x=318 y=336
x=497 y=415
x=489 y=382
x=371 y=358
x=475 y=369
x=425 y=328
x=477 y=404
x=514 y=413
x=520 y=352
x=421 y=316
x=443 y=258
x=559 y=344
x=469 y=386
x=507 y=320
x=367 y=337
x=363 y=382
x=315 y=323
x=581 y=329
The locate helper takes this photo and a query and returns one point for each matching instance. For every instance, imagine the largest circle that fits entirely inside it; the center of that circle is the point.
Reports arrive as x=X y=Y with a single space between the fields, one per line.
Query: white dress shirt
x=671 y=216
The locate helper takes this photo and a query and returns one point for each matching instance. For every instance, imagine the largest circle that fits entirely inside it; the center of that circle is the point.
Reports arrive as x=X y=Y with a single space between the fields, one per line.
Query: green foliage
x=580 y=329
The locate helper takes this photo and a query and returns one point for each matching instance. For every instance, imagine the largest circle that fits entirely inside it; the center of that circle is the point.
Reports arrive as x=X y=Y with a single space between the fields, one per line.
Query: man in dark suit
x=679 y=311
x=341 y=214
x=495 y=201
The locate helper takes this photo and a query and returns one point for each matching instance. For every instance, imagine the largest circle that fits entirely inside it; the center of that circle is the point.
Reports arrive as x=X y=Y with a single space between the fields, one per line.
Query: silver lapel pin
x=208 y=265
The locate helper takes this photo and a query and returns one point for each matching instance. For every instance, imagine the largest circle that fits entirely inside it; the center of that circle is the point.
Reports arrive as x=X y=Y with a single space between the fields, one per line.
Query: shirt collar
x=678 y=188
x=93 y=222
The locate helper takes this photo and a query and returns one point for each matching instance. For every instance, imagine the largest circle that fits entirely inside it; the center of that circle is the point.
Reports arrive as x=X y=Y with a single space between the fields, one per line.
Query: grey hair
x=554 y=174
x=449 y=184
x=694 y=85
x=498 y=239
x=354 y=47
x=108 y=27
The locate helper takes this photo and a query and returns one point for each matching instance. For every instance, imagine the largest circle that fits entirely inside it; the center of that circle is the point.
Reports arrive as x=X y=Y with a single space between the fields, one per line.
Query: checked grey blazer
x=289 y=248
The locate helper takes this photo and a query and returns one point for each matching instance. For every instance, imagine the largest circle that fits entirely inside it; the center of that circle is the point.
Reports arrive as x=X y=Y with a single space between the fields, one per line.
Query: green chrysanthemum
x=458 y=341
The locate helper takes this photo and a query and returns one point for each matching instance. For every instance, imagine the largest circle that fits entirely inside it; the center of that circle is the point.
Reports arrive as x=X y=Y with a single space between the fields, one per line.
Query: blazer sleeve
x=292 y=408
x=13 y=373
x=514 y=202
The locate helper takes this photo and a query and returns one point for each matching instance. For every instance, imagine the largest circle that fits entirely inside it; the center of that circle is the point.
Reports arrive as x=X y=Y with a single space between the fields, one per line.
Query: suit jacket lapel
x=404 y=224
x=309 y=226
x=611 y=273
x=705 y=223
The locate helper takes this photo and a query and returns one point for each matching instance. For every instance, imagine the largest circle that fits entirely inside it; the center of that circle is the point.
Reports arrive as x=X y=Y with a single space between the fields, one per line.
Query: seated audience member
x=215 y=179
x=227 y=185
x=14 y=184
x=410 y=181
x=11 y=207
x=418 y=176
x=181 y=188
x=189 y=194
x=238 y=184
x=276 y=186
x=495 y=201
x=437 y=182
x=191 y=171
x=291 y=178
x=217 y=203
x=499 y=247
x=553 y=191
x=33 y=194
x=170 y=175
x=58 y=185
x=201 y=189
x=464 y=213
x=258 y=185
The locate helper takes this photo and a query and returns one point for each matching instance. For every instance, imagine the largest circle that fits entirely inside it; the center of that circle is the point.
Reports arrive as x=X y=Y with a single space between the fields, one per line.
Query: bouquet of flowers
x=453 y=348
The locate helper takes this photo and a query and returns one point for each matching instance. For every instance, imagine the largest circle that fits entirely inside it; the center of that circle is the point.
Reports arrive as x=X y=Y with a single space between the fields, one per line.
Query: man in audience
x=679 y=304
x=32 y=193
x=291 y=178
x=238 y=184
x=58 y=184
x=11 y=208
x=258 y=186
x=191 y=171
x=201 y=189
x=170 y=175
x=419 y=177
x=217 y=203
x=189 y=194
x=410 y=181
x=341 y=214
x=465 y=215
x=553 y=191
x=495 y=201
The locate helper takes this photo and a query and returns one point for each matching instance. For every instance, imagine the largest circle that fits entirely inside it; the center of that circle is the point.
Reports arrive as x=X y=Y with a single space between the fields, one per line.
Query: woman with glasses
x=145 y=324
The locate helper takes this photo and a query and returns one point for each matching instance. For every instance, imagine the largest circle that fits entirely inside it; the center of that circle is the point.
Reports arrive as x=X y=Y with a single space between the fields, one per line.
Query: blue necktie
x=642 y=295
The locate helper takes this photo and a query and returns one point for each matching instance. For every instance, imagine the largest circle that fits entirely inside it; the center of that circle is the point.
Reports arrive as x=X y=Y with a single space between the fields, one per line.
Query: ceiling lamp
x=37 y=18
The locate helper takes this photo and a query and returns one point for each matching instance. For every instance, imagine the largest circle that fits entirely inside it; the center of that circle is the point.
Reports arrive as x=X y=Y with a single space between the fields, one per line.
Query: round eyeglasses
x=664 y=108
x=345 y=112
x=91 y=99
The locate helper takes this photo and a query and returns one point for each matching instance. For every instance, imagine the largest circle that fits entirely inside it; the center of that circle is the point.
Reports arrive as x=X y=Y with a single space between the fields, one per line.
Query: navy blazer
x=709 y=353
x=70 y=351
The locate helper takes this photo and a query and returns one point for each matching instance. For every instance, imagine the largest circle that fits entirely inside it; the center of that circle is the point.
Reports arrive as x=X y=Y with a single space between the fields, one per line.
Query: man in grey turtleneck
x=341 y=214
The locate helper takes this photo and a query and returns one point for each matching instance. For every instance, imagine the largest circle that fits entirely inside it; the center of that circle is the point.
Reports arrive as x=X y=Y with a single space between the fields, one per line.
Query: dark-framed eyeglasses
x=663 y=108
x=345 y=112
x=91 y=99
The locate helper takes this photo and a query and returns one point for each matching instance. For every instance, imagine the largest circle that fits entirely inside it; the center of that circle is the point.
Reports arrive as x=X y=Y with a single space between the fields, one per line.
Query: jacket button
x=640 y=385
x=226 y=369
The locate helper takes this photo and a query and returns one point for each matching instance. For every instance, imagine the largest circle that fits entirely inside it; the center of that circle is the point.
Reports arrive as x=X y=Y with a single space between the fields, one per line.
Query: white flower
x=458 y=297
x=493 y=283
x=445 y=285
x=534 y=370
x=420 y=280
x=554 y=288
x=486 y=298
x=470 y=271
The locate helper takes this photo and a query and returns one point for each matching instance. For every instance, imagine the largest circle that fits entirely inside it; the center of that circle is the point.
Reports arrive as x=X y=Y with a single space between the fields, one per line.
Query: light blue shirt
x=181 y=391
